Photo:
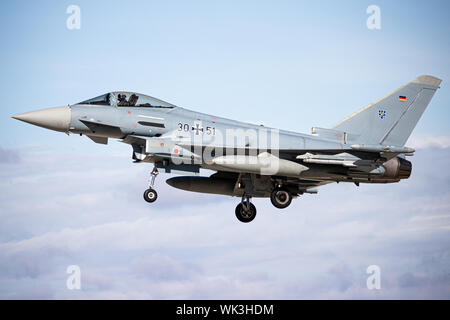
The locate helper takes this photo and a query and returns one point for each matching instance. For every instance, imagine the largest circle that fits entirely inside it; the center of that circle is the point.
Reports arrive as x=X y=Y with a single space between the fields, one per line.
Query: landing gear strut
x=280 y=198
x=245 y=211
x=150 y=195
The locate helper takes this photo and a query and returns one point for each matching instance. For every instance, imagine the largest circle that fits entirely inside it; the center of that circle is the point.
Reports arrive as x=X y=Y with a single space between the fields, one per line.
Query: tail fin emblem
x=382 y=114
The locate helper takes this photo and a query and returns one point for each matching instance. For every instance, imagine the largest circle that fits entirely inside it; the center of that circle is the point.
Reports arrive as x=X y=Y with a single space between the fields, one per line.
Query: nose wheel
x=150 y=195
x=245 y=211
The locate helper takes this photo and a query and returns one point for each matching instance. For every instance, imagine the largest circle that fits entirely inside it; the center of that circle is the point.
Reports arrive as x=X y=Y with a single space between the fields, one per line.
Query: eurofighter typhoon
x=250 y=160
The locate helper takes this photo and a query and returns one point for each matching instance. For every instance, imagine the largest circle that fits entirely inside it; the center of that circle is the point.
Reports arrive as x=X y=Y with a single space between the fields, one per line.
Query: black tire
x=280 y=198
x=245 y=215
x=150 y=195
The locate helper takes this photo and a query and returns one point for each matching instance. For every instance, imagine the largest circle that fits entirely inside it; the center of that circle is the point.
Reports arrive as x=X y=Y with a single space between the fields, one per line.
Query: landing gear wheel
x=280 y=198
x=245 y=213
x=150 y=195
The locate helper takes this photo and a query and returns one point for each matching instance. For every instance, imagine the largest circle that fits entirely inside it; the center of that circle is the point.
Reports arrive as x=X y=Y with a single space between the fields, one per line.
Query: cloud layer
x=62 y=210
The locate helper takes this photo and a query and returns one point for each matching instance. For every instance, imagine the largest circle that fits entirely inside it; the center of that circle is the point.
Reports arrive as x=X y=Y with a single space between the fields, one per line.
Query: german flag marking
x=402 y=98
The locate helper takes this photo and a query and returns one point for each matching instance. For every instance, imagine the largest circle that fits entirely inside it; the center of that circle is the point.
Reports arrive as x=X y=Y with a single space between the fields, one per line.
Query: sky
x=287 y=64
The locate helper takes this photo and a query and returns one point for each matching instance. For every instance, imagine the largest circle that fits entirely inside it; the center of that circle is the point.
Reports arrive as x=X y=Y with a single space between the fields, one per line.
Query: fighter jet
x=250 y=160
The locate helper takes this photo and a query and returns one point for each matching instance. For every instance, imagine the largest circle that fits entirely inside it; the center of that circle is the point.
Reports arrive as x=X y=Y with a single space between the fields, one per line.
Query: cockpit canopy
x=127 y=99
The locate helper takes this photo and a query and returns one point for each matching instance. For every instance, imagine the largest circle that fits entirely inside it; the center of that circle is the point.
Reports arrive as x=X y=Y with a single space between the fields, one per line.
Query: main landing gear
x=280 y=198
x=245 y=211
x=150 y=195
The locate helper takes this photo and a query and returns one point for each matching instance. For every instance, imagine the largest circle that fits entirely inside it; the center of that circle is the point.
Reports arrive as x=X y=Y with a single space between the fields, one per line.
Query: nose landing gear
x=245 y=211
x=150 y=195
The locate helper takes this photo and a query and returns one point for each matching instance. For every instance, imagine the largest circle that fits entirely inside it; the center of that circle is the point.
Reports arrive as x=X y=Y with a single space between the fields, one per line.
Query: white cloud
x=192 y=246
x=441 y=142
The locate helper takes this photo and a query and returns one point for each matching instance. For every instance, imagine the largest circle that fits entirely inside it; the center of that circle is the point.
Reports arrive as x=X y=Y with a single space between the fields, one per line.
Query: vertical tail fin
x=390 y=120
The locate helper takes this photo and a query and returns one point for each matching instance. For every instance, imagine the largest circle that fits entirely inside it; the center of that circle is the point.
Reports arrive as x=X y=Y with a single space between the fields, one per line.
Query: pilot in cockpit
x=122 y=100
x=133 y=99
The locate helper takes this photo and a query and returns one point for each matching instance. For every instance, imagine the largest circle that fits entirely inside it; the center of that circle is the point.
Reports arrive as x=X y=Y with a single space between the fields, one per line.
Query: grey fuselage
x=251 y=160
x=178 y=125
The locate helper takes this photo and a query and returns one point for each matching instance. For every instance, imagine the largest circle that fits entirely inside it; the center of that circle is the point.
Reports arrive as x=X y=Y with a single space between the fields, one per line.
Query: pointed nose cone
x=57 y=119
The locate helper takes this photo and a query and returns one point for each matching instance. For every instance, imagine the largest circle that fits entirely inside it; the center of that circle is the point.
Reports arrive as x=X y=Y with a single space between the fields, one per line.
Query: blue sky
x=249 y=60
x=286 y=64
